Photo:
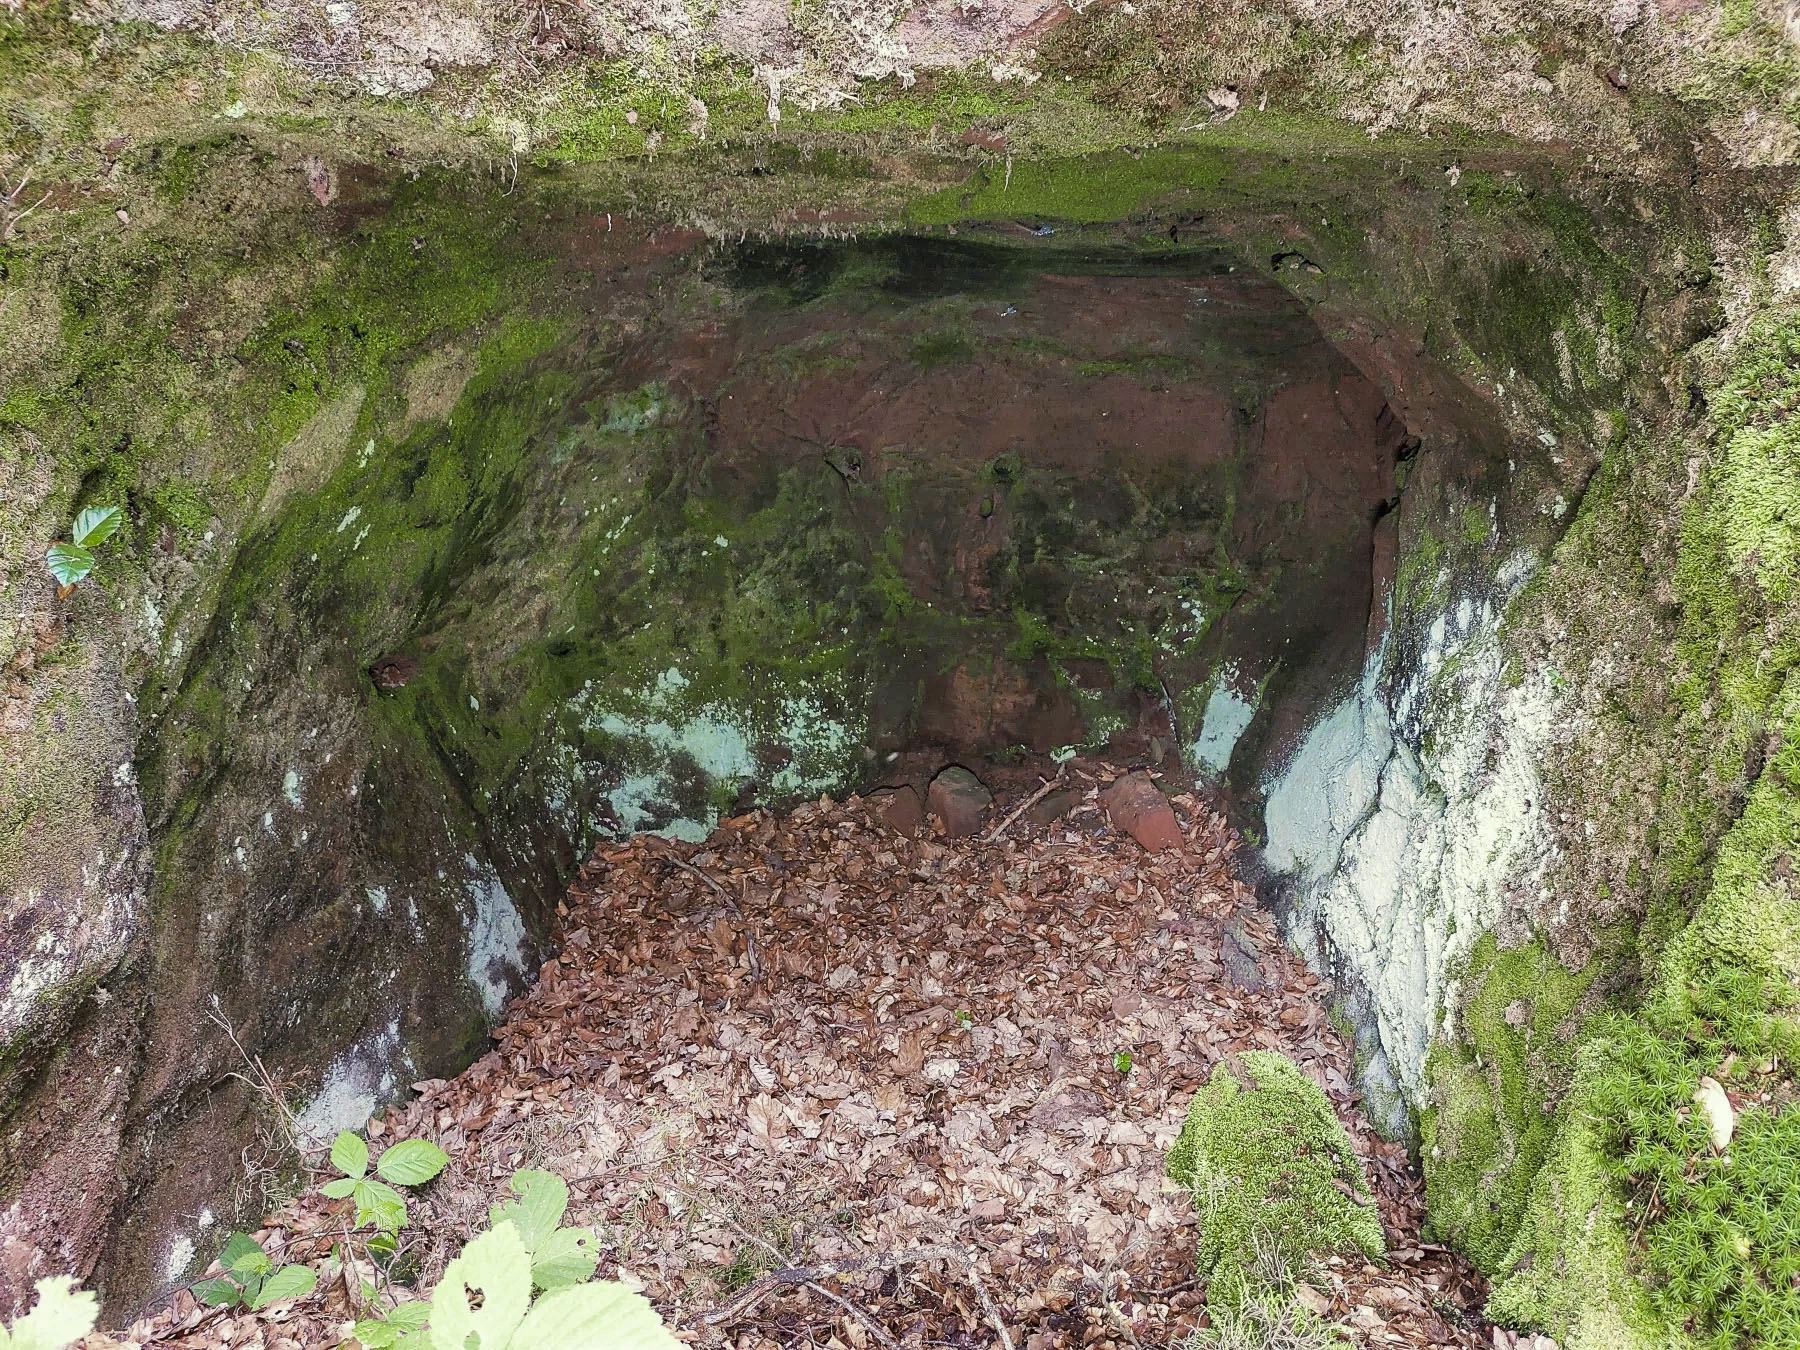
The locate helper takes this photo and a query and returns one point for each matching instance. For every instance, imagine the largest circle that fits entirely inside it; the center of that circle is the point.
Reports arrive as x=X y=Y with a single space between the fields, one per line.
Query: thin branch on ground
x=987 y=1302
x=803 y=1275
x=1026 y=805
x=859 y=1313
x=695 y=871
x=1114 y=1313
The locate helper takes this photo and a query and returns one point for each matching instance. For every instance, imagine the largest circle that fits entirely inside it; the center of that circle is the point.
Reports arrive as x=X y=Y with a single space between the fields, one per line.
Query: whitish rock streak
x=1407 y=818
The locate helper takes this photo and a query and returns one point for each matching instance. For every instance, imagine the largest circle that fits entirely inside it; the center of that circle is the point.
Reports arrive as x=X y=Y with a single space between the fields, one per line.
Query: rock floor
x=819 y=1084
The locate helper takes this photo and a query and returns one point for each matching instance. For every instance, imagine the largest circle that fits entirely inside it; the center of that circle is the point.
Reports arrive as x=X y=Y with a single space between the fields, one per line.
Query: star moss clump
x=1272 y=1173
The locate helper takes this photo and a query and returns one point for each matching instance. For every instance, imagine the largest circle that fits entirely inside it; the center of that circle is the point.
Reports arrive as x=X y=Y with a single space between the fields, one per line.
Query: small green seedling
x=411 y=1162
x=71 y=563
x=63 y=1314
x=252 y=1278
x=965 y=1020
x=525 y=1255
x=1122 y=1061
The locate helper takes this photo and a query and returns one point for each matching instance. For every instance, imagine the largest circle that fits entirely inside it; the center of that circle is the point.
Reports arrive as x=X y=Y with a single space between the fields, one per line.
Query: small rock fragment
x=900 y=810
x=1138 y=807
x=1054 y=806
x=393 y=672
x=959 y=801
x=1237 y=951
x=320 y=181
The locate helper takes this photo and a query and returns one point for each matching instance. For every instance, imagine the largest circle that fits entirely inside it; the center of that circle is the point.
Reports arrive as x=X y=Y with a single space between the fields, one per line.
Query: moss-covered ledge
x=1566 y=1152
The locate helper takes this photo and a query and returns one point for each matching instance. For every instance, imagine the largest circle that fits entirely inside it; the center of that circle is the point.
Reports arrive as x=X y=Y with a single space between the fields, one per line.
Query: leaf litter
x=816 y=1083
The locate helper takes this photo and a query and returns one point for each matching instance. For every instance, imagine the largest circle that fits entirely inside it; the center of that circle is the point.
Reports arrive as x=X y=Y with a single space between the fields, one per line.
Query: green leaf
x=237 y=1247
x=543 y=1197
x=401 y=1327
x=69 y=563
x=374 y=1334
x=411 y=1315
x=350 y=1155
x=412 y=1162
x=95 y=525
x=497 y=1264
x=601 y=1314
x=568 y=1256
x=288 y=1282
x=380 y=1205
x=218 y=1293
x=252 y=1264
x=339 y=1188
x=63 y=1314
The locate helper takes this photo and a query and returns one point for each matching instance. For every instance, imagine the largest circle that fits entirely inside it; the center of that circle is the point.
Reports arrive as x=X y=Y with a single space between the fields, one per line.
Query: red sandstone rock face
x=976 y=707
x=1008 y=463
x=1138 y=807
x=959 y=802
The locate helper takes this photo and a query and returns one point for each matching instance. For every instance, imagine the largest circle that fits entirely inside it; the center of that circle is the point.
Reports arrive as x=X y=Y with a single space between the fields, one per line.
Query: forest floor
x=820 y=1084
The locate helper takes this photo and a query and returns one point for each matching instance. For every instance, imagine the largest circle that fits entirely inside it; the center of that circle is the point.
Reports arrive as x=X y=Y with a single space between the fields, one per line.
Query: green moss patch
x=1272 y=1174
x=1717 y=1235
x=1487 y=1132
x=1636 y=1231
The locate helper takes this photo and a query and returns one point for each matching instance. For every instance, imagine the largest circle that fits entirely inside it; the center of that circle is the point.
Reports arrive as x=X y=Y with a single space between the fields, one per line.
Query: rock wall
x=368 y=435
x=455 y=554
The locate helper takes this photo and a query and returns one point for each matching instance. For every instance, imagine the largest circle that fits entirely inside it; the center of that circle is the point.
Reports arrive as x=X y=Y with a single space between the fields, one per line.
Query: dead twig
x=860 y=1314
x=808 y=1275
x=10 y=196
x=1115 y=1314
x=987 y=1302
x=259 y=1079
x=1026 y=805
x=689 y=867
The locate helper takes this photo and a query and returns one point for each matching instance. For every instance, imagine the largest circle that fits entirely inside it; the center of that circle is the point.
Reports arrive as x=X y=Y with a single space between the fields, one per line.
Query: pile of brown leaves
x=817 y=1084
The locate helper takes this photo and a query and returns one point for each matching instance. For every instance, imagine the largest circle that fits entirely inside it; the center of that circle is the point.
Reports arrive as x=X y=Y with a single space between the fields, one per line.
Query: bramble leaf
x=399 y=1327
x=605 y=1313
x=63 y=1314
x=374 y=1334
x=379 y=1204
x=412 y=1162
x=543 y=1197
x=410 y=1315
x=252 y=1264
x=350 y=1155
x=339 y=1188
x=288 y=1282
x=496 y=1264
x=237 y=1247
x=69 y=563
x=95 y=525
x=568 y=1256
x=218 y=1293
